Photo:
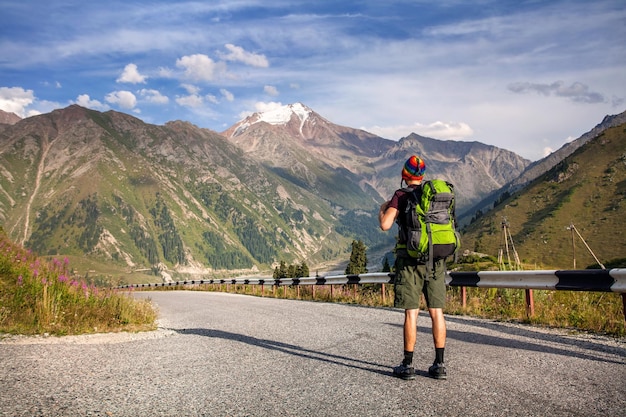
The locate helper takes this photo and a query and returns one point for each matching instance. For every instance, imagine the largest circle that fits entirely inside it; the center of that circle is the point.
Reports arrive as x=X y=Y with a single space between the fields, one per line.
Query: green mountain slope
x=107 y=185
x=586 y=189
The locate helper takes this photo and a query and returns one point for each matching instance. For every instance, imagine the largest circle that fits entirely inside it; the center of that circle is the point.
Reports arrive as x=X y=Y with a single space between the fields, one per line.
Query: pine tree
x=304 y=270
x=358 y=259
x=386 y=267
x=282 y=270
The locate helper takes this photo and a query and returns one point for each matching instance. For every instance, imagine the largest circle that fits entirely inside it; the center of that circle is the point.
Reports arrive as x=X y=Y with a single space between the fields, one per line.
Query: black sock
x=408 y=358
x=439 y=355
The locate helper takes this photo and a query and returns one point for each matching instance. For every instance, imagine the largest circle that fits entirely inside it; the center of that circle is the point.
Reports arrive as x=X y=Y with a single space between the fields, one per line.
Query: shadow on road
x=291 y=349
x=514 y=343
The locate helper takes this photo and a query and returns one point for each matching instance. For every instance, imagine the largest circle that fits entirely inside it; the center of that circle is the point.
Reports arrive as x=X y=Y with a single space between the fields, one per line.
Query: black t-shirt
x=399 y=201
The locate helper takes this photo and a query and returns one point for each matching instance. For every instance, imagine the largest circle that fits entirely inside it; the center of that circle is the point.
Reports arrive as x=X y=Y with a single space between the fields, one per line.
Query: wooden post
x=331 y=291
x=382 y=292
x=464 y=296
x=530 y=304
x=624 y=304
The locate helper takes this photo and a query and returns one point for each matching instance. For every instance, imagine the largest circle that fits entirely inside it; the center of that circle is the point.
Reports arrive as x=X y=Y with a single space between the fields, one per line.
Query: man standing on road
x=412 y=279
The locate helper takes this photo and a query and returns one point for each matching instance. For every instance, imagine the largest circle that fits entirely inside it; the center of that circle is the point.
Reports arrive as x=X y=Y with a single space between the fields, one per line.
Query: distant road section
x=221 y=354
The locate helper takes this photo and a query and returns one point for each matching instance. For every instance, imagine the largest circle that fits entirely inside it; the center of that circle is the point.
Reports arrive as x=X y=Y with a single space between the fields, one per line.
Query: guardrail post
x=382 y=292
x=464 y=296
x=624 y=304
x=530 y=304
x=331 y=291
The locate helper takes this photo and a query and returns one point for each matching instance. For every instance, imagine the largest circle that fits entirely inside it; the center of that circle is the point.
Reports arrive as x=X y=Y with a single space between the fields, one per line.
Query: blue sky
x=526 y=76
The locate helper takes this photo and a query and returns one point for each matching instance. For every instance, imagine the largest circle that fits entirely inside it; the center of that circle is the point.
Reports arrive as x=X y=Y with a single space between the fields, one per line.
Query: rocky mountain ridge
x=289 y=138
x=8 y=118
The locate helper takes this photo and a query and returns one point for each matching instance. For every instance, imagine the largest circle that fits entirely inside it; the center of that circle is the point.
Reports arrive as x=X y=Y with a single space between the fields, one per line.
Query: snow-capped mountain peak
x=279 y=116
x=282 y=115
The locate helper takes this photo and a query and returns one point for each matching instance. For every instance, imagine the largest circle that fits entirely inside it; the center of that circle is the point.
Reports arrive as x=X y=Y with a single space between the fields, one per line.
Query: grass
x=43 y=297
x=595 y=312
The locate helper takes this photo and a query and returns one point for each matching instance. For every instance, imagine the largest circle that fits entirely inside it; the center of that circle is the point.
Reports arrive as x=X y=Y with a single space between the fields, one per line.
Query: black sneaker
x=403 y=371
x=438 y=371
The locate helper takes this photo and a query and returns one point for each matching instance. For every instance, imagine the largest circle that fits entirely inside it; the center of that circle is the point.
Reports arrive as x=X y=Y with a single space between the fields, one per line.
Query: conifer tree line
x=291 y=271
x=358 y=259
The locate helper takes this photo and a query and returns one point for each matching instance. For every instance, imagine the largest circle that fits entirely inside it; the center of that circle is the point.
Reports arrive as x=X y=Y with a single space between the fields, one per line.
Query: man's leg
x=410 y=329
x=438 y=369
x=405 y=369
x=407 y=297
x=439 y=327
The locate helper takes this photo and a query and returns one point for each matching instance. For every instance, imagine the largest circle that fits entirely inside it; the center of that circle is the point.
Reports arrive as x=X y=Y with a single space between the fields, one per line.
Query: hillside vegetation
x=39 y=297
x=586 y=189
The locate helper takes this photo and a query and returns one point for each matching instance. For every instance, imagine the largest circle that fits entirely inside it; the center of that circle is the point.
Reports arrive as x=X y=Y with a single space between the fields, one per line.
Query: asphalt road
x=231 y=355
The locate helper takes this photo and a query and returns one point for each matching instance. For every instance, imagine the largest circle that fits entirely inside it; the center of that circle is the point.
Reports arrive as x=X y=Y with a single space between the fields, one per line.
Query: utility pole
x=506 y=237
x=573 y=229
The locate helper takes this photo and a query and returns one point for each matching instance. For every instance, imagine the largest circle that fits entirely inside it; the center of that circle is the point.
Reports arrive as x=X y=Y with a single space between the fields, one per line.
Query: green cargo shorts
x=410 y=284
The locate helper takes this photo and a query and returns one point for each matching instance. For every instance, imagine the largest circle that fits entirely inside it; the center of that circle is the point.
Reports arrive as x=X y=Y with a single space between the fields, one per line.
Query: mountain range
x=283 y=185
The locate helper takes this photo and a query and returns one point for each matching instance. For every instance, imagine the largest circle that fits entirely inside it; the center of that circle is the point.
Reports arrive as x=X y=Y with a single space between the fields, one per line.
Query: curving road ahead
x=220 y=354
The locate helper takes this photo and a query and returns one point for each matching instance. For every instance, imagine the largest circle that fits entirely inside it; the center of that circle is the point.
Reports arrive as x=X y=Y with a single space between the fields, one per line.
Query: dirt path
x=45 y=147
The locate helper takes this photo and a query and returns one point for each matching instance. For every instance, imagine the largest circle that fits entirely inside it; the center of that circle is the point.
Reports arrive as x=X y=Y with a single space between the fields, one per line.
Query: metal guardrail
x=602 y=280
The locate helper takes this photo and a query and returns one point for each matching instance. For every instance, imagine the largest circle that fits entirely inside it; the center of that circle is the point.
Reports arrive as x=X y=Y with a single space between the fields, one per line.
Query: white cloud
x=212 y=99
x=190 y=88
x=436 y=130
x=237 y=53
x=227 y=94
x=43 y=106
x=200 y=67
x=131 y=75
x=124 y=99
x=271 y=90
x=261 y=106
x=165 y=72
x=153 y=96
x=85 y=101
x=547 y=151
x=192 y=100
x=15 y=100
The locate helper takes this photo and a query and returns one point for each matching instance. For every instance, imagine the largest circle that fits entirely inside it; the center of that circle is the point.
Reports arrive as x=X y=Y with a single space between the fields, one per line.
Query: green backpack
x=431 y=223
